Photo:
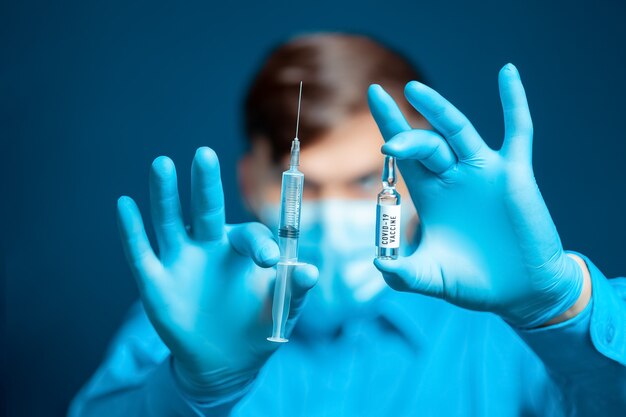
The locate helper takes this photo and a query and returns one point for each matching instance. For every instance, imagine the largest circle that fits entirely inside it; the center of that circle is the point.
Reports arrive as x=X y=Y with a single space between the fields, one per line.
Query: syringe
x=288 y=234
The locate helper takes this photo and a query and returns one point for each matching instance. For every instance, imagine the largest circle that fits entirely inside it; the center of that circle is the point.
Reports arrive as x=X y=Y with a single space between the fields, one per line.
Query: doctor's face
x=344 y=164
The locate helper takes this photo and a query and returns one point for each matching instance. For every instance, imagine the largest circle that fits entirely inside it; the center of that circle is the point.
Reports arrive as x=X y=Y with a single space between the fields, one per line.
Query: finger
x=137 y=248
x=425 y=146
x=165 y=203
x=391 y=122
x=518 y=125
x=443 y=116
x=207 y=196
x=256 y=241
x=303 y=279
x=386 y=112
x=416 y=273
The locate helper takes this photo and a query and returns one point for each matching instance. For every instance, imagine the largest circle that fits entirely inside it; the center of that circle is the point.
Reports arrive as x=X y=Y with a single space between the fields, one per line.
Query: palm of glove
x=488 y=242
x=210 y=299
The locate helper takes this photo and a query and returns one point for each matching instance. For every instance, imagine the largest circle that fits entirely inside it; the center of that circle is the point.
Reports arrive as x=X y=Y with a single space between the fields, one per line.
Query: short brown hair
x=336 y=70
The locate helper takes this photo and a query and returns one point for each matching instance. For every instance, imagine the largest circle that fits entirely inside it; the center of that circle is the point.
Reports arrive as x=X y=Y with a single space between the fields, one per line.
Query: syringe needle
x=298 y=118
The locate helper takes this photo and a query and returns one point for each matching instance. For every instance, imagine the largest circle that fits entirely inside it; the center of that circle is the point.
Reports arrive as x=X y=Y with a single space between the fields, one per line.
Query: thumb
x=416 y=273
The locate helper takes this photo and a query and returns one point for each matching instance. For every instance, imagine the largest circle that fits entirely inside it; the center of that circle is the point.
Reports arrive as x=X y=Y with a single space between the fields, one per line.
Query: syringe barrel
x=288 y=234
x=291 y=205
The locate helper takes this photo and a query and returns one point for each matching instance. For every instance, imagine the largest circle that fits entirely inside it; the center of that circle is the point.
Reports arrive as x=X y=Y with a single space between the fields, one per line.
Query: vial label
x=388 y=229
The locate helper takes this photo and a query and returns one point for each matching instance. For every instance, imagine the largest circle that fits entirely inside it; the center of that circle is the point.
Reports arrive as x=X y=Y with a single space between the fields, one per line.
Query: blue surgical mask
x=338 y=237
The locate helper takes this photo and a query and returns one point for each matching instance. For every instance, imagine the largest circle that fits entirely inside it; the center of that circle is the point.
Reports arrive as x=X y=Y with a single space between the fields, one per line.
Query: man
x=525 y=328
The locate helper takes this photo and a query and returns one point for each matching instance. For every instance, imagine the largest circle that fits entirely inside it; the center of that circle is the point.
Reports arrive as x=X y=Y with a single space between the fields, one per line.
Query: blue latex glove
x=488 y=242
x=209 y=292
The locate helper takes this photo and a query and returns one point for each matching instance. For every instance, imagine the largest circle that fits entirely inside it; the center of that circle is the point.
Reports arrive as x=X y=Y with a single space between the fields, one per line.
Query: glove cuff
x=559 y=297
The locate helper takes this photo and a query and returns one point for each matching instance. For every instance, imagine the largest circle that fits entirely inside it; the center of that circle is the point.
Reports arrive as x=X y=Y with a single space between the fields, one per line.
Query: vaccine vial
x=388 y=214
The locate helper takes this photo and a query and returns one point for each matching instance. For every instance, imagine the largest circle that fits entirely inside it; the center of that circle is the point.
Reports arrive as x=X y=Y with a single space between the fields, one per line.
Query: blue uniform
x=414 y=355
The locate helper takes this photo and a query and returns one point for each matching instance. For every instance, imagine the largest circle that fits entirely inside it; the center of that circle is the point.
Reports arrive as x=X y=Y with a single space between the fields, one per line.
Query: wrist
x=211 y=387
x=583 y=298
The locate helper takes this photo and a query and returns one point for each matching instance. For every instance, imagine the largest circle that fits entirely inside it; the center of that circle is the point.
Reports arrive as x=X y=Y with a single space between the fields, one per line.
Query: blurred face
x=342 y=173
x=344 y=164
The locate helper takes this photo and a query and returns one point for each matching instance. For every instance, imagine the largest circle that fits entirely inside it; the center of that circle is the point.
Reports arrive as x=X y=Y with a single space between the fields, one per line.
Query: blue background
x=91 y=93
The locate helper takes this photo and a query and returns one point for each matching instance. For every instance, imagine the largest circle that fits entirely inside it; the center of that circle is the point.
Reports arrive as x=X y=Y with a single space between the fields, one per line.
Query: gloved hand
x=209 y=292
x=488 y=242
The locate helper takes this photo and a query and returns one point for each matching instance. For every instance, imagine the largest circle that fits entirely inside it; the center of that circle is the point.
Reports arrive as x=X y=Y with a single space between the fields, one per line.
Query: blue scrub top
x=412 y=356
